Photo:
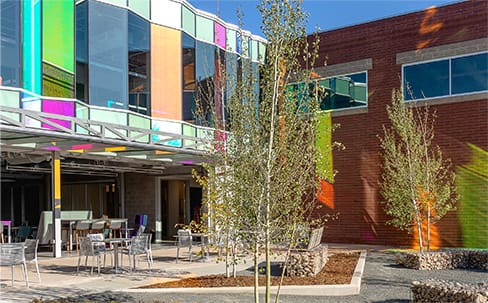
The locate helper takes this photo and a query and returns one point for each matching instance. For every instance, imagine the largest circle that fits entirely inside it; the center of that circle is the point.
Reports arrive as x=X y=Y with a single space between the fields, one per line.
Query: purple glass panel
x=62 y=108
x=219 y=35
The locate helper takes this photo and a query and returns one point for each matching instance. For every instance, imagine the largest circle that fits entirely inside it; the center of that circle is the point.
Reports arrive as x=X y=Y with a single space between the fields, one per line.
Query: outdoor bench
x=308 y=261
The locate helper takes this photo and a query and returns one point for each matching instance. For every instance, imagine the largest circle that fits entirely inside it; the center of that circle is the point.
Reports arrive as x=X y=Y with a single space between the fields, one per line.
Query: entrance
x=180 y=204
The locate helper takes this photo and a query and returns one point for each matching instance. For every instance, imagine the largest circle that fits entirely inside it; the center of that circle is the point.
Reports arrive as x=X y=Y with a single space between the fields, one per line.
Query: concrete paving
x=382 y=280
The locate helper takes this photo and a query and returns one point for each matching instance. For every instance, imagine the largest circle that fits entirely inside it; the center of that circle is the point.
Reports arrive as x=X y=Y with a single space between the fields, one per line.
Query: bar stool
x=115 y=228
x=81 y=230
x=97 y=226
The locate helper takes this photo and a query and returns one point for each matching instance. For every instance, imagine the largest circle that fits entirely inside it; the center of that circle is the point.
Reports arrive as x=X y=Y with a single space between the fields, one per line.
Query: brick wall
x=139 y=197
x=361 y=218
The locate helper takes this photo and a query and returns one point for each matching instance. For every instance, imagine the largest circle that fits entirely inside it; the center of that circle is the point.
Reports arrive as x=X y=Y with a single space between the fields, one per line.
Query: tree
x=264 y=151
x=417 y=183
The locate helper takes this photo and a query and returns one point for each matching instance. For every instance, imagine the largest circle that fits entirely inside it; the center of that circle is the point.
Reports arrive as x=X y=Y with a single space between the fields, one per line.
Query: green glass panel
x=141 y=7
x=106 y=115
x=245 y=47
x=139 y=122
x=118 y=2
x=325 y=83
x=342 y=86
x=31 y=69
x=254 y=50
x=231 y=40
x=262 y=52
x=109 y=116
x=10 y=99
x=58 y=33
x=205 y=29
x=188 y=21
x=82 y=112
x=56 y=82
x=206 y=135
x=359 y=92
x=189 y=130
x=323 y=143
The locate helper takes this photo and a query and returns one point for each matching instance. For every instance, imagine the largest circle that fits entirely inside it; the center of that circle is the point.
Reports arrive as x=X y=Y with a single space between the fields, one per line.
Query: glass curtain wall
x=58 y=62
x=108 y=55
x=82 y=51
x=139 y=56
x=31 y=32
x=10 y=43
x=189 y=83
x=205 y=72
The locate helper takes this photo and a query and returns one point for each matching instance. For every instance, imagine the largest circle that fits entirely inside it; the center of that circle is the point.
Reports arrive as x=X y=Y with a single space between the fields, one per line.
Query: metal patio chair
x=138 y=246
x=12 y=254
x=184 y=240
x=30 y=254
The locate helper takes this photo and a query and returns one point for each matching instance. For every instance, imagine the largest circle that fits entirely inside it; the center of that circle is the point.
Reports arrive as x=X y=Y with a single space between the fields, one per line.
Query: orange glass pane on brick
x=325 y=194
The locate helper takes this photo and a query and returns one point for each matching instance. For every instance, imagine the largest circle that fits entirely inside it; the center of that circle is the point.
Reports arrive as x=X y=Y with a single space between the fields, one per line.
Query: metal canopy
x=91 y=145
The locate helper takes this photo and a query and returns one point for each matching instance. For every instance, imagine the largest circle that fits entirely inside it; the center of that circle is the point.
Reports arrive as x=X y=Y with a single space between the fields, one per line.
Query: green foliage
x=417 y=183
x=261 y=179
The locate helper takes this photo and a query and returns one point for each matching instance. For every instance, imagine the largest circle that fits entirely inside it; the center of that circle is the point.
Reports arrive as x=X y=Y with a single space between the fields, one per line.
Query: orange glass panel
x=166 y=87
x=325 y=194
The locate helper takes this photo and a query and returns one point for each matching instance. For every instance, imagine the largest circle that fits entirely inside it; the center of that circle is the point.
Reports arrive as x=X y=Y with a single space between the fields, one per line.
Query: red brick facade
x=361 y=218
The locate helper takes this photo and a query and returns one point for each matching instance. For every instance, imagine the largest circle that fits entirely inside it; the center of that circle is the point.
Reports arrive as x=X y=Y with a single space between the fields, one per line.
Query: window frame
x=343 y=75
x=449 y=58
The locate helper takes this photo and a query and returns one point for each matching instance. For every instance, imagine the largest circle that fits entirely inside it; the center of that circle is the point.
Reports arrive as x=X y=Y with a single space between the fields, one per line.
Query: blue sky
x=327 y=14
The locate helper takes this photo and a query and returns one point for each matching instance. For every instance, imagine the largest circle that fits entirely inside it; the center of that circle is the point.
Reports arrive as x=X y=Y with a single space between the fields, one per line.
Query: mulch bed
x=338 y=270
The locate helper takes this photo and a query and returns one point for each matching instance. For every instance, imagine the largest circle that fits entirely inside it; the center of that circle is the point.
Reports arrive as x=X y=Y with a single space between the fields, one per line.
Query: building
x=97 y=102
x=442 y=53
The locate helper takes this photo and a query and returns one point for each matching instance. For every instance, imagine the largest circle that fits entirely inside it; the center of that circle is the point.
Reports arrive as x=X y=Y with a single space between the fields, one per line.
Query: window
x=108 y=55
x=446 y=77
x=10 y=43
x=338 y=92
x=139 y=77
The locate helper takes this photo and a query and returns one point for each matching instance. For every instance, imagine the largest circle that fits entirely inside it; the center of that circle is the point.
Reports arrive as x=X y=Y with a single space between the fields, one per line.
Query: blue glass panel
x=31 y=70
x=426 y=80
x=108 y=55
x=10 y=43
x=81 y=49
x=139 y=53
x=470 y=74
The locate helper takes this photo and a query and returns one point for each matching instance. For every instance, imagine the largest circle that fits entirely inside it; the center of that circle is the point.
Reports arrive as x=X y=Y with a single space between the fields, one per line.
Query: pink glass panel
x=63 y=108
x=219 y=35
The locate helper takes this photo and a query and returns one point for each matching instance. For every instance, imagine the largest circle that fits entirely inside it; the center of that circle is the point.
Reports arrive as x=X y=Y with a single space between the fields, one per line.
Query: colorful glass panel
x=62 y=108
x=220 y=34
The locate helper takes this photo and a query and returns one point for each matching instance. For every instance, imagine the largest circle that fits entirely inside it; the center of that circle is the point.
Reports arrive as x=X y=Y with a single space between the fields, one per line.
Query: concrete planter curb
x=352 y=288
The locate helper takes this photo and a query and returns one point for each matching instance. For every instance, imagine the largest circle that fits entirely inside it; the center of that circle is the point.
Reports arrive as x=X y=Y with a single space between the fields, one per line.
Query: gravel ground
x=383 y=281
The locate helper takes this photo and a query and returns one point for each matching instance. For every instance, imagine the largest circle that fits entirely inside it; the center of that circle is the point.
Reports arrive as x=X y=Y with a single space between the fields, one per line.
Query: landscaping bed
x=338 y=270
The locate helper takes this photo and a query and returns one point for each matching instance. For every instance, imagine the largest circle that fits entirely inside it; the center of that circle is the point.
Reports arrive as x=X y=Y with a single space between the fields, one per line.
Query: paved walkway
x=382 y=281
